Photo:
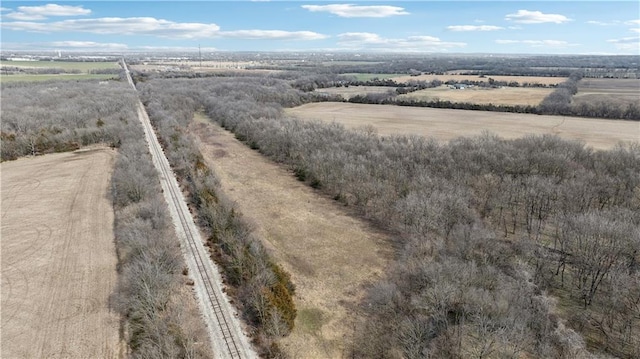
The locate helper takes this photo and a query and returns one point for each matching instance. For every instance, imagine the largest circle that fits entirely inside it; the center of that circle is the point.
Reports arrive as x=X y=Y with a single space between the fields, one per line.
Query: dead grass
x=497 y=96
x=446 y=124
x=615 y=91
x=351 y=91
x=330 y=255
x=58 y=257
x=520 y=79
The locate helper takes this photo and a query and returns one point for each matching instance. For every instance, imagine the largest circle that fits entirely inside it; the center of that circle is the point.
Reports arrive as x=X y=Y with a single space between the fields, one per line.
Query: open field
x=445 y=124
x=58 y=257
x=520 y=79
x=57 y=77
x=497 y=96
x=367 y=76
x=84 y=66
x=624 y=91
x=330 y=255
x=351 y=91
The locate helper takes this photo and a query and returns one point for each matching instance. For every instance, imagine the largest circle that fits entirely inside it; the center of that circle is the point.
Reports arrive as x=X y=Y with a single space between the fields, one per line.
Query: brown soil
x=446 y=124
x=519 y=79
x=58 y=257
x=497 y=96
x=331 y=255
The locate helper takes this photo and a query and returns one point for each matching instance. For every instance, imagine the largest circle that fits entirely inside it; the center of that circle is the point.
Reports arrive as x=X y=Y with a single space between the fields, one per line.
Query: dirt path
x=329 y=254
x=58 y=257
x=446 y=124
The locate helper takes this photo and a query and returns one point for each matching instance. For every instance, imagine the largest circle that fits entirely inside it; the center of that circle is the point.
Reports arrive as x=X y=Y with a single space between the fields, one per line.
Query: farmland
x=614 y=91
x=59 y=260
x=348 y=92
x=481 y=95
x=445 y=124
x=31 y=71
x=460 y=78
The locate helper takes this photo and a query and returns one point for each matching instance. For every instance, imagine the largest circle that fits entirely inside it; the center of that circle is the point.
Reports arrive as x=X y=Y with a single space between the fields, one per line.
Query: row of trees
x=494 y=235
x=261 y=289
x=559 y=102
x=40 y=118
x=160 y=319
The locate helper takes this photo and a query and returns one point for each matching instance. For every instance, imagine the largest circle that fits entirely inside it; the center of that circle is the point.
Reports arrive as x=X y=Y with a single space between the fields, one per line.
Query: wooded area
x=505 y=247
x=160 y=318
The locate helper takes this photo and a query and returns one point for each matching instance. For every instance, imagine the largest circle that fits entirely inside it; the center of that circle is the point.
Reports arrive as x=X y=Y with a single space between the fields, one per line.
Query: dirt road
x=58 y=257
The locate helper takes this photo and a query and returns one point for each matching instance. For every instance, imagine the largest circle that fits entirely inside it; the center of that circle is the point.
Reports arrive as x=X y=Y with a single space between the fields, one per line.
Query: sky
x=499 y=27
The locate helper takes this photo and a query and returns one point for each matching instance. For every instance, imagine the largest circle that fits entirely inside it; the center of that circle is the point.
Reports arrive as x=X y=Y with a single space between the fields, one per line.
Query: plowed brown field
x=445 y=124
x=58 y=257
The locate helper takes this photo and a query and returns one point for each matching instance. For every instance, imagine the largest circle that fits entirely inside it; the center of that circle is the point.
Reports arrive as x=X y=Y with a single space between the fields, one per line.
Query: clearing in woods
x=447 y=124
x=457 y=78
x=330 y=255
x=58 y=257
x=615 y=91
x=497 y=96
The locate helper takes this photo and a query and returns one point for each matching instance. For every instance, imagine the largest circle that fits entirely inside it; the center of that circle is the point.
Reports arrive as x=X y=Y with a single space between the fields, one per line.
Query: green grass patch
x=367 y=77
x=66 y=65
x=311 y=319
x=55 y=77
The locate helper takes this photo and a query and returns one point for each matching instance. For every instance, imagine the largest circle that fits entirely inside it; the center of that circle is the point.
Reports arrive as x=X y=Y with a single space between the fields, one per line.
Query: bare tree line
x=495 y=235
x=261 y=289
x=151 y=293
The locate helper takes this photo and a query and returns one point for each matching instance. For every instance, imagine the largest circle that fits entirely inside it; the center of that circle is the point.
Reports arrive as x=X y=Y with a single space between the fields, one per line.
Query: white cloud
x=474 y=28
x=30 y=13
x=272 y=35
x=627 y=44
x=156 y=27
x=125 y=26
x=88 y=45
x=637 y=29
x=632 y=22
x=603 y=23
x=371 y=41
x=535 y=17
x=350 y=10
x=537 y=43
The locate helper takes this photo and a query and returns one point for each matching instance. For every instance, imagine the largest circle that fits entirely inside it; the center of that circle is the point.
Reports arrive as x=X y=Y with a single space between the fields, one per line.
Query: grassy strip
x=262 y=290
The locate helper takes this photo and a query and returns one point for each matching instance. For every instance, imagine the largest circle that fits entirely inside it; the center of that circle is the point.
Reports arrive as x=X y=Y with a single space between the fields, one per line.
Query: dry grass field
x=351 y=91
x=520 y=79
x=330 y=255
x=446 y=124
x=497 y=96
x=624 y=91
x=58 y=257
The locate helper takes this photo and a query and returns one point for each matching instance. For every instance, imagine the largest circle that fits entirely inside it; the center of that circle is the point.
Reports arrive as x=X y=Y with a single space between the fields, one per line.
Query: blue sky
x=531 y=27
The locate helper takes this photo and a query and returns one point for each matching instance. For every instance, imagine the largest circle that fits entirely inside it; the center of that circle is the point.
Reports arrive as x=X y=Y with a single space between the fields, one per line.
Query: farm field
x=624 y=91
x=351 y=91
x=58 y=257
x=497 y=96
x=446 y=124
x=330 y=255
x=520 y=79
x=367 y=76
x=84 y=66
x=83 y=69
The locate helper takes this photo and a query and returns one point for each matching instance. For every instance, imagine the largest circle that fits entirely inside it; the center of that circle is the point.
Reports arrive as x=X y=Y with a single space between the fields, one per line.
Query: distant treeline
x=559 y=102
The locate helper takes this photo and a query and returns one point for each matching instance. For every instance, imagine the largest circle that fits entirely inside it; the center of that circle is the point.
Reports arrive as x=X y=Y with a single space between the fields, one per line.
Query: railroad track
x=227 y=338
